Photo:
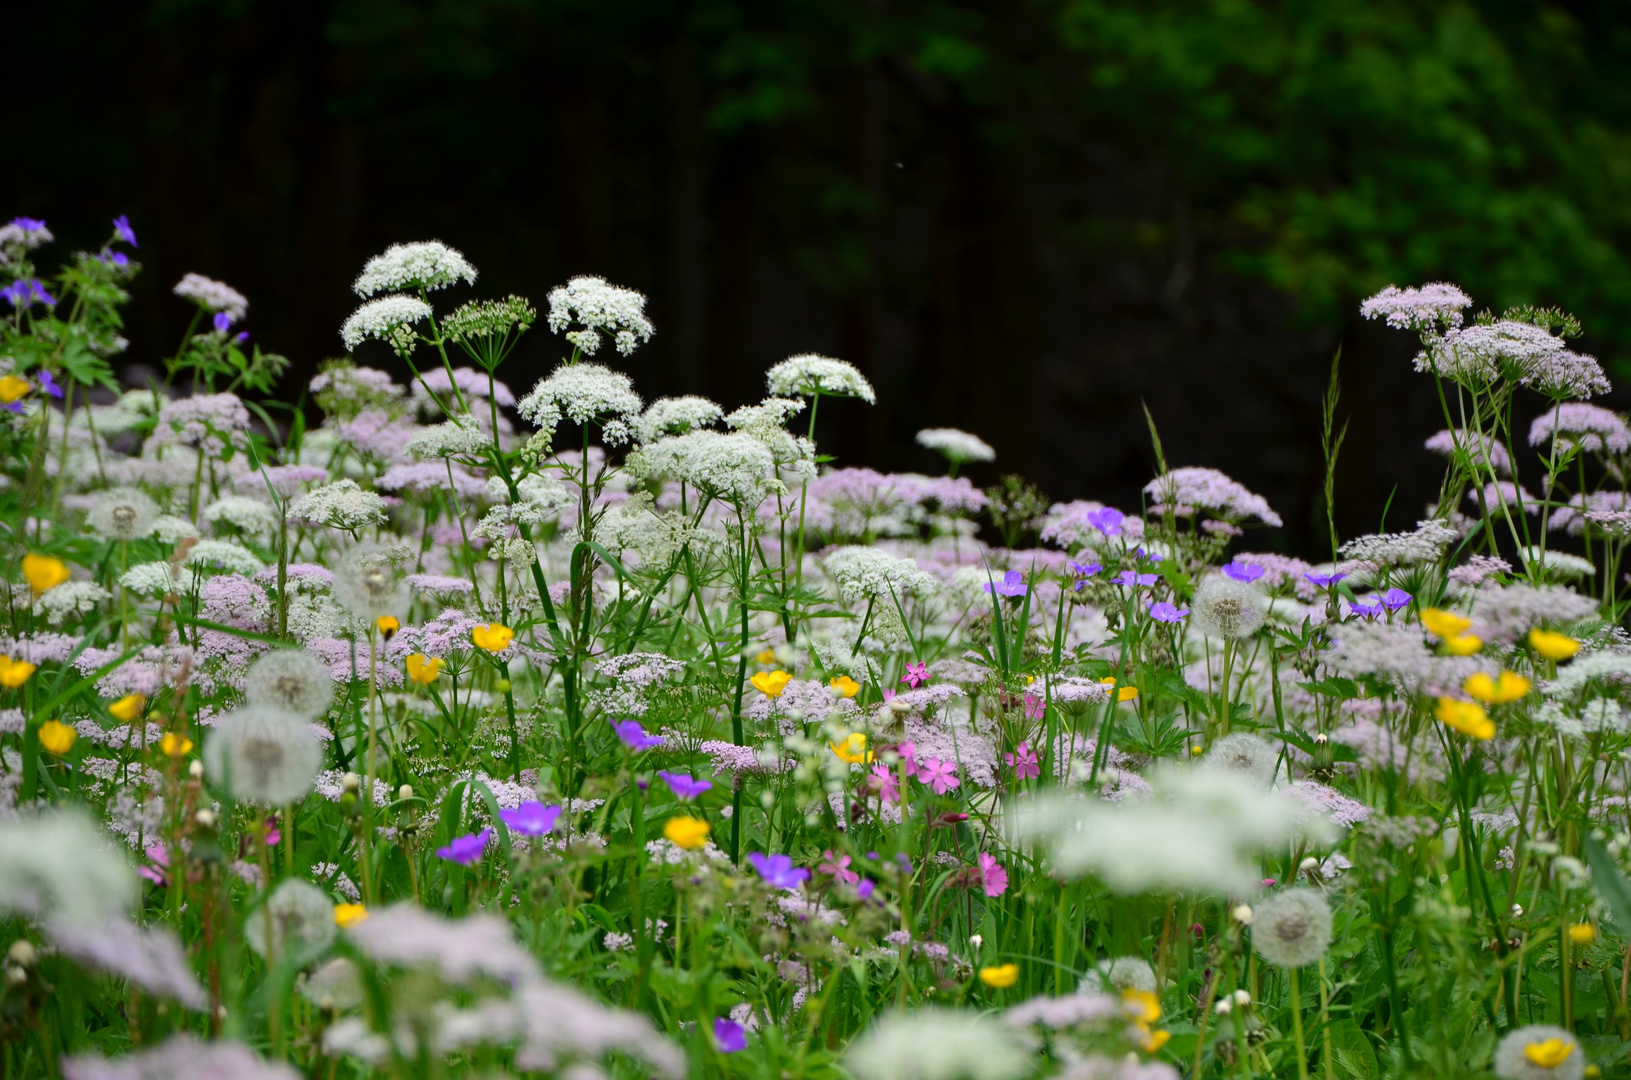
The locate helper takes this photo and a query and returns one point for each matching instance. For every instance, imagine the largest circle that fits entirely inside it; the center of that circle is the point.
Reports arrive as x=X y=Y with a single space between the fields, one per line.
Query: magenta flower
x=122 y=229
x=161 y=862
x=993 y=878
x=465 y=850
x=1023 y=761
x=634 y=736
x=1012 y=584
x=916 y=675
x=1035 y=707
x=941 y=776
x=884 y=781
x=1107 y=520
x=1247 y=572
x=778 y=871
x=531 y=818
x=837 y=867
x=908 y=754
x=684 y=787
x=1161 y=611
x=729 y=1036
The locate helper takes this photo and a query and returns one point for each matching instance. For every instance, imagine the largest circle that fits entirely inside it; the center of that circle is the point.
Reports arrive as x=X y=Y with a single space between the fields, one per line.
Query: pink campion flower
x=1035 y=708
x=161 y=862
x=916 y=675
x=1023 y=761
x=908 y=754
x=941 y=776
x=993 y=878
x=883 y=780
x=837 y=867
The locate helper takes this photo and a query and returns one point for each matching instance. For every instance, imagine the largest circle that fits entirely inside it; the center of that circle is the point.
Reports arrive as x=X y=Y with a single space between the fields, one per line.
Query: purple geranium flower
x=1085 y=569
x=1369 y=610
x=122 y=229
x=634 y=736
x=49 y=384
x=778 y=871
x=1394 y=599
x=119 y=259
x=1107 y=520
x=683 y=786
x=1161 y=611
x=865 y=889
x=465 y=850
x=729 y=1036
x=243 y=336
x=223 y=322
x=28 y=224
x=531 y=818
x=1132 y=579
x=25 y=291
x=1247 y=572
x=1325 y=581
x=1012 y=584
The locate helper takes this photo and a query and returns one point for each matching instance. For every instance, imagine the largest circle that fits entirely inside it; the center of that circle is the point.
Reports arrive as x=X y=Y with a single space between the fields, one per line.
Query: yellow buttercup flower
x=176 y=745
x=128 y=707
x=388 y=626
x=1552 y=645
x=14 y=673
x=422 y=669
x=1155 y=1040
x=1000 y=977
x=494 y=637
x=1467 y=717
x=845 y=685
x=349 y=915
x=1582 y=933
x=43 y=572
x=1508 y=688
x=57 y=737
x=852 y=750
x=1445 y=624
x=771 y=683
x=1548 y=1054
x=767 y=657
x=1140 y=1006
x=1126 y=693
x=1463 y=644
x=686 y=832
x=13 y=387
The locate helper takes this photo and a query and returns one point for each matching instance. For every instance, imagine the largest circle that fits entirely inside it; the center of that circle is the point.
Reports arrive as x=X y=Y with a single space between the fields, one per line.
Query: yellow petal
x=43 y=572
x=57 y=737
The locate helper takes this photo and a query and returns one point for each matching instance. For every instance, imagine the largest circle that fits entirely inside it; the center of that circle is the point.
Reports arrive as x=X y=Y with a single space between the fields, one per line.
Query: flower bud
x=899 y=707
x=1308 y=865
x=196 y=770
x=504 y=686
x=976 y=940
x=1322 y=738
x=205 y=818
x=16 y=976
x=405 y=791
x=22 y=953
x=1242 y=914
x=351 y=782
x=1243 y=997
x=1224 y=1007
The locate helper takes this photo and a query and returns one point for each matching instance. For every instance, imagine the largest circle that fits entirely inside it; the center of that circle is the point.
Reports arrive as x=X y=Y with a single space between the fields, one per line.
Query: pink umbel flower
x=916 y=675
x=941 y=776
x=1023 y=761
x=993 y=878
x=837 y=867
x=884 y=782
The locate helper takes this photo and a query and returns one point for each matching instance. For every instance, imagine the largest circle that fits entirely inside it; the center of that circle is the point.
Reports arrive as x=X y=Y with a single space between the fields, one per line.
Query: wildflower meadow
x=449 y=728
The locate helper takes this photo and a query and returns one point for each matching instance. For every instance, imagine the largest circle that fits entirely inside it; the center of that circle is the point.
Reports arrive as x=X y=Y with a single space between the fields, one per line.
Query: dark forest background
x=1018 y=217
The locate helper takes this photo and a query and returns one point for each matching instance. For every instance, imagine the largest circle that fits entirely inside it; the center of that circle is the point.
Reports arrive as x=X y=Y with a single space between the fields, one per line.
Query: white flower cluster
x=676 y=416
x=956 y=446
x=70 y=599
x=223 y=555
x=212 y=295
x=737 y=468
x=427 y=264
x=585 y=393
x=795 y=455
x=389 y=319
x=340 y=505
x=808 y=374
x=1424 y=545
x=865 y=573
x=23 y=237
x=460 y=436
x=247 y=514
x=599 y=307
x=1417 y=309
x=1532 y=355
x=148 y=579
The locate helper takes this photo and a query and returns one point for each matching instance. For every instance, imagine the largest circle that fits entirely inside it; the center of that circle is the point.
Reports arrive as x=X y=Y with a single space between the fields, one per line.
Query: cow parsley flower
x=1383 y=550
x=426 y=264
x=340 y=505
x=488 y=318
x=149 y=957
x=292 y=680
x=149 y=579
x=22 y=234
x=868 y=573
x=263 y=754
x=938 y=1044
x=251 y=516
x=1226 y=608
x=808 y=375
x=123 y=514
x=458 y=437
x=584 y=394
x=212 y=295
x=1591 y=427
x=1483 y=451
x=676 y=416
x=389 y=319
x=596 y=307
x=1292 y=929
x=181 y=1057
x=1423 y=308
x=957 y=447
x=737 y=468
x=223 y=555
x=1192 y=489
x=69 y=600
x=301 y=918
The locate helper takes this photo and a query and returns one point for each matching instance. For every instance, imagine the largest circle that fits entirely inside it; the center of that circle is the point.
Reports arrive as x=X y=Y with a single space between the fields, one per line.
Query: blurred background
x=1023 y=218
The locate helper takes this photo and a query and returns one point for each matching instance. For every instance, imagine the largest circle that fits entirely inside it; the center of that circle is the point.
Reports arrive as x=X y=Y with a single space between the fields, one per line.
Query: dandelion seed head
x=1292 y=928
x=123 y=514
x=1226 y=608
x=292 y=680
x=302 y=923
x=263 y=754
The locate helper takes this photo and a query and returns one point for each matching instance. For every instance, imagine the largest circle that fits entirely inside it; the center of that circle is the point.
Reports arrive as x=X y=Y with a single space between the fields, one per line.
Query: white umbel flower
x=296 y=682
x=212 y=295
x=263 y=754
x=1556 y=564
x=1292 y=929
x=149 y=578
x=69 y=600
x=1226 y=608
x=426 y=264
x=1539 y=1052
x=300 y=918
x=736 y=468
x=123 y=514
x=958 y=447
x=676 y=416
x=594 y=307
x=223 y=555
x=865 y=573
x=389 y=319
x=584 y=394
x=459 y=437
x=939 y=1044
x=808 y=374
x=242 y=512
x=340 y=505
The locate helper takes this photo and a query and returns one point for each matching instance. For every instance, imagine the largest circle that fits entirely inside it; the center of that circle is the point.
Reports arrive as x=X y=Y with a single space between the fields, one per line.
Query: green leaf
x=1609 y=882
x=1337 y=687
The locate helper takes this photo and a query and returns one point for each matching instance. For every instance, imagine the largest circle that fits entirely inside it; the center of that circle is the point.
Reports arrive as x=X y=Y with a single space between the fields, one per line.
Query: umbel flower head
x=301 y=922
x=1226 y=608
x=1539 y=1052
x=292 y=680
x=1292 y=929
x=939 y=1044
x=426 y=264
x=123 y=514
x=584 y=394
x=597 y=307
x=808 y=375
x=389 y=319
x=958 y=447
x=366 y=583
x=262 y=754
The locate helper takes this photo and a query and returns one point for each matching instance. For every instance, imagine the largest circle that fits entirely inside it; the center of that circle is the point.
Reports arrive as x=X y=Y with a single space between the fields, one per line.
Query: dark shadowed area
x=1019 y=218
